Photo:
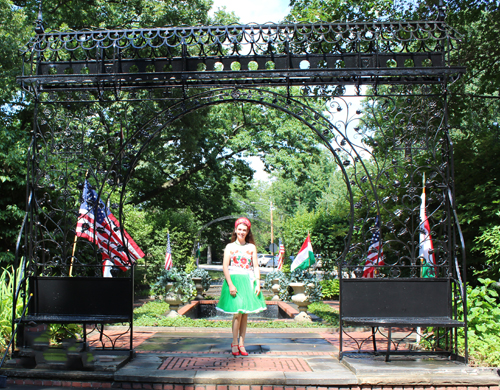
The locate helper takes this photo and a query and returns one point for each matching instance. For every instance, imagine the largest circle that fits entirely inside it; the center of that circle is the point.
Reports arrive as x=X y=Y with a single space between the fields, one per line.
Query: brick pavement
x=281 y=359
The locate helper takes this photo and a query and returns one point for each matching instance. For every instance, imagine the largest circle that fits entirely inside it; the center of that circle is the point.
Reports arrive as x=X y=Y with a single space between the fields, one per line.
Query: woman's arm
x=225 y=269
x=256 y=270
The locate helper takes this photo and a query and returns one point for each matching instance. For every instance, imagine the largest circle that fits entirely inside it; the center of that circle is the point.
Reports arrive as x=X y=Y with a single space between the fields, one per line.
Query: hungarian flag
x=168 y=255
x=375 y=257
x=426 y=249
x=98 y=225
x=305 y=257
x=281 y=256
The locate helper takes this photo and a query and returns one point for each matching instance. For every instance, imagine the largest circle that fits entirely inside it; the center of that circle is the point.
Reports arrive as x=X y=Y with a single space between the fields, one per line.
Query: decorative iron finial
x=39 y=21
x=441 y=10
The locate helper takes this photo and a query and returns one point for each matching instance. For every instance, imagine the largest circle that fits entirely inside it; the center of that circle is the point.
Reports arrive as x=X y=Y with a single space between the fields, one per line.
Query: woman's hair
x=248 y=239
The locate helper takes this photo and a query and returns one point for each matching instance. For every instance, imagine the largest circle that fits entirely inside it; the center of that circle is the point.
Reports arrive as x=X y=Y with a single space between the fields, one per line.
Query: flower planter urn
x=173 y=300
x=199 y=288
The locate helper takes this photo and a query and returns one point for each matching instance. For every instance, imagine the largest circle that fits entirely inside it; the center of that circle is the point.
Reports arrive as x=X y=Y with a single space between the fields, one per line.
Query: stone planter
x=275 y=288
x=174 y=300
x=199 y=288
x=301 y=300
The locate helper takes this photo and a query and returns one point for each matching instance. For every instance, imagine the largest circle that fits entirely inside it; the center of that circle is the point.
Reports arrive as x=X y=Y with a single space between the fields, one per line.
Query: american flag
x=281 y=256
x=168 y=255
x=375 y=255
x=98 y=225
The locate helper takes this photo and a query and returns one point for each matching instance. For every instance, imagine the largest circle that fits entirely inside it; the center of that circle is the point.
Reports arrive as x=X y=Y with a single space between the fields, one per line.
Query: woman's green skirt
x=245 y=300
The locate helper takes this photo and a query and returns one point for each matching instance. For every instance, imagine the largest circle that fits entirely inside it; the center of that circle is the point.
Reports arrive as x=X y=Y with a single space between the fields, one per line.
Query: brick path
x=118 y=338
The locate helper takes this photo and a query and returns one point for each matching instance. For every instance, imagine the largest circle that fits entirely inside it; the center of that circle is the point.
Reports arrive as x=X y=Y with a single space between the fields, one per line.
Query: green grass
x=327 y=313
x=153 y=314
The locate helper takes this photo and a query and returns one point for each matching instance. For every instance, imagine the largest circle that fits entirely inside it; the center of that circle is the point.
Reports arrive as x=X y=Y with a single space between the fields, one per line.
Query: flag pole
x=72 y=255
x=422 y=262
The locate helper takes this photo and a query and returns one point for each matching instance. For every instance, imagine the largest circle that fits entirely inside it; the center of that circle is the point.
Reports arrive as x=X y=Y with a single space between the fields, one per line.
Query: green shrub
x=330 y=288
x=190 y=265
x=283 y=282
x=182 y=284
x=483 y=321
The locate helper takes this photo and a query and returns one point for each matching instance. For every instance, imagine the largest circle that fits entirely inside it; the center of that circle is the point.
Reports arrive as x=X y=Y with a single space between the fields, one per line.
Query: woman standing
x=240 y=293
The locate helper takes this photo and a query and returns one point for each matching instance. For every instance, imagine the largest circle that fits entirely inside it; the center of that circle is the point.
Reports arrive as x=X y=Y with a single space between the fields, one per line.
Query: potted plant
x=202 y=281
x=176 y=288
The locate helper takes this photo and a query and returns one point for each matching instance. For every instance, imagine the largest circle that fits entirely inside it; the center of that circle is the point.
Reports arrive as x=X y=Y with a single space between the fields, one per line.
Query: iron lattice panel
x=382 y=151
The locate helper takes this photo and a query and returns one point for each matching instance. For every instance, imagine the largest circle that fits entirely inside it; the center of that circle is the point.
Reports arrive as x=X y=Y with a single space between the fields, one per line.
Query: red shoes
x=241 y=350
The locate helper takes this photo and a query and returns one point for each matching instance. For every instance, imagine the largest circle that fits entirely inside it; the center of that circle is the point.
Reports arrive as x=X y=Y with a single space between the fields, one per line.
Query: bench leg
x=388 y=345
x=373 y=339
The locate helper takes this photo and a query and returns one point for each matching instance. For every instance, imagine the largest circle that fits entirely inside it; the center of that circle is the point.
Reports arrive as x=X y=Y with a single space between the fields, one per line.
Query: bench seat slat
x=74 y=319
x=404 y=321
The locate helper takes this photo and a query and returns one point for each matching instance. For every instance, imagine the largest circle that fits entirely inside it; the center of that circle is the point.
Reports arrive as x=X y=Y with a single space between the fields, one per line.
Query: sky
x=256 y=11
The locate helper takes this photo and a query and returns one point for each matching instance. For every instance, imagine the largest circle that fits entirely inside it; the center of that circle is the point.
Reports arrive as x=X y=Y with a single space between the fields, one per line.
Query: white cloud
x=256 y=11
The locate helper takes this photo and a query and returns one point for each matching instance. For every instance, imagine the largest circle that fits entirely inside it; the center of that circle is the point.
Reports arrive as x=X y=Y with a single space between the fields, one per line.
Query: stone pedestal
x=275 y=288
x=301 y=300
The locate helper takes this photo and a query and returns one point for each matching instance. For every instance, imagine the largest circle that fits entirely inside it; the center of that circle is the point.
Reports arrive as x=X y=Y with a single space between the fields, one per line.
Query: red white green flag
x=426 y=249
x=305 y=257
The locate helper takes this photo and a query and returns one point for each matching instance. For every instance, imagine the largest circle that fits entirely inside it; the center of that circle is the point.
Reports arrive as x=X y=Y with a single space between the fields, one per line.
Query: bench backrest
x=395 y=297
x=81 y=296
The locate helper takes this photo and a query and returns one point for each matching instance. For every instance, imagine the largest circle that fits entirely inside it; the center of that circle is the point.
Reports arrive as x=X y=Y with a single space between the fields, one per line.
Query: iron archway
x=74 y=77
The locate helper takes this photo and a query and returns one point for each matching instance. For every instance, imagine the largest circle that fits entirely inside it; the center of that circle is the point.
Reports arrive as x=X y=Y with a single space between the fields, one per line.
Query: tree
x=16 y=109
x=474 y=121
x=13 y=141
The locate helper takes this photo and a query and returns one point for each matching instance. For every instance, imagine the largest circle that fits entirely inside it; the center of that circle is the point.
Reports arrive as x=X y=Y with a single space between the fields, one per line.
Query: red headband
x=243 y=221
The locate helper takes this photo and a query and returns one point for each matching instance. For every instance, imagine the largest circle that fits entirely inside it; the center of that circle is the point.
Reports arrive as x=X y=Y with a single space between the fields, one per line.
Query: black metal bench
x=80 y=300
x=405 y=302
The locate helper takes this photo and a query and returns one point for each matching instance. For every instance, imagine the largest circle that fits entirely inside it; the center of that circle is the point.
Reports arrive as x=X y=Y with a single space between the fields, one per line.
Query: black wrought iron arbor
x=156 y=76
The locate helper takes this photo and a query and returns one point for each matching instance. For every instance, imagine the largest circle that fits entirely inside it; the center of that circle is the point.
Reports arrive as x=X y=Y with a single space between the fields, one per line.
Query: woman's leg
x=235 y=329
x=243 y=329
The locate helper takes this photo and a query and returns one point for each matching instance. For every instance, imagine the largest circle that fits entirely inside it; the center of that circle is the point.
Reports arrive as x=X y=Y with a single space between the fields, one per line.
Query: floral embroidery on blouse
x=241 y=259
